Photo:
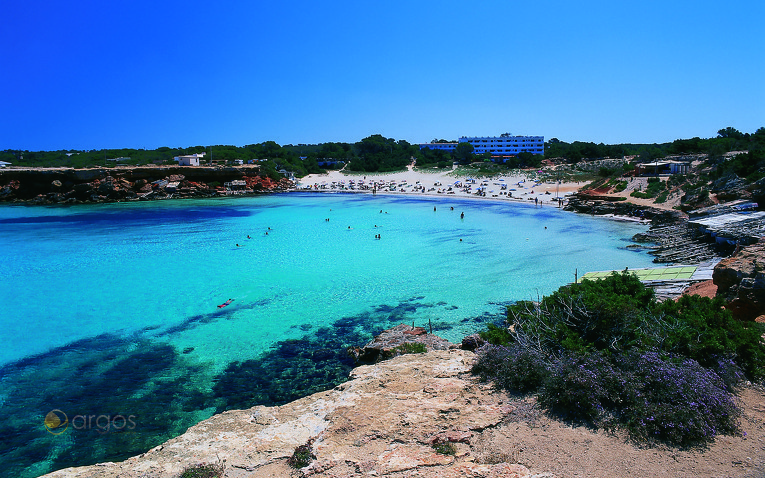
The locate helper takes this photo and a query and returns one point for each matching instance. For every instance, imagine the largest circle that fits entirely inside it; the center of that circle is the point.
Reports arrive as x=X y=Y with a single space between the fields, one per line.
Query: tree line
x=377 y=153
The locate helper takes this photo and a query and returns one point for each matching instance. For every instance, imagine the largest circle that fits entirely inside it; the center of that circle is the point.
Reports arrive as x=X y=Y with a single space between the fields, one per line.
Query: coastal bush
x=203 y=470
x=447 y=448
x=619 y=186
x=654 y=398
x=701 y=329
x=410 y=348
x=608 y=354
x=523 y=370
x=496 y=335
x=302 y=456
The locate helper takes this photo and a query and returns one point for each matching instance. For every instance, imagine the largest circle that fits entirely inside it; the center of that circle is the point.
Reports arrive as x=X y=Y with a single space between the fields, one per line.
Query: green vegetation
x=496 y=335
x=203 y=470
x=608 y=354
x=302 y=456
x=447 y=448
x=655 y=186
x=618 y=185
x=376 y=153
x=410 y=348
x=728 y=139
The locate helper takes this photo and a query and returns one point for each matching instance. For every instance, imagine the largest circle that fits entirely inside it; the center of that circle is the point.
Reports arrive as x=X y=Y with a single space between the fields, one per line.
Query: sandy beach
x=522 y=187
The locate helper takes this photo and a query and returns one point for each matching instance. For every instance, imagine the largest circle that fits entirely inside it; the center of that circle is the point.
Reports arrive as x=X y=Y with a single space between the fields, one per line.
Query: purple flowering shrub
x=582 y=387
x=676 y=400
x=654 y=398
x=606 y=353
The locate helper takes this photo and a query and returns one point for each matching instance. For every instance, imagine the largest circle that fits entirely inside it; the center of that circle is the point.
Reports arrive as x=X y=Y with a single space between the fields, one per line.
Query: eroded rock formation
x=741 y=281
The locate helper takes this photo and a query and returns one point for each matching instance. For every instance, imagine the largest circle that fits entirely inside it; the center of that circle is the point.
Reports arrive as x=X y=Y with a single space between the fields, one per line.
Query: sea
x=114 y=338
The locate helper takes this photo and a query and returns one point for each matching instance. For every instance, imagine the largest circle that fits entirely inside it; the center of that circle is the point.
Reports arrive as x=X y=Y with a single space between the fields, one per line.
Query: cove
x=112 y=309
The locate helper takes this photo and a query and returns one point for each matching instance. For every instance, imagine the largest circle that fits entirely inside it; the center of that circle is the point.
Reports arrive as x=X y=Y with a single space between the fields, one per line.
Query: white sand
x=520 y=187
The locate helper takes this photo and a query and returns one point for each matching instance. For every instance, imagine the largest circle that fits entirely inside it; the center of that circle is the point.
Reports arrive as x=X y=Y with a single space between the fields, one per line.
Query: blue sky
x=145 y=74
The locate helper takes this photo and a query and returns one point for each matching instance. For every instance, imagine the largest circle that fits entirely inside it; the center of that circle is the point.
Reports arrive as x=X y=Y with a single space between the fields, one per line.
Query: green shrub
x=701 y=329
x=410 y=348
x=301 y=457
x=496 y=335
x=620 y=186
x=203 y=470
x=638 y=194
x=445 y=448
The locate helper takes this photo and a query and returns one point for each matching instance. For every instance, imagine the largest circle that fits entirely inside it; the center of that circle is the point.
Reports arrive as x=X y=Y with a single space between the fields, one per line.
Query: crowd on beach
x=506 y=187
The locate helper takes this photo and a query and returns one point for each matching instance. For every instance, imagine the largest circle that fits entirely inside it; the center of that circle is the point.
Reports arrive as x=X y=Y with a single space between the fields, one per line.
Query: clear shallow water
x=112 y=309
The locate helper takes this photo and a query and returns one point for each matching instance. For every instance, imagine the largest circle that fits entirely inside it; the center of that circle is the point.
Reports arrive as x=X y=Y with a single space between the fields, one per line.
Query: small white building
x=3 y=164
x=189 y=159
x=235 y=184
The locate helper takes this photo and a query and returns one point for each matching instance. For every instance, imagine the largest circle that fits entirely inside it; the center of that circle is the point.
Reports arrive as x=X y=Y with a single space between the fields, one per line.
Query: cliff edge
x=382 y=422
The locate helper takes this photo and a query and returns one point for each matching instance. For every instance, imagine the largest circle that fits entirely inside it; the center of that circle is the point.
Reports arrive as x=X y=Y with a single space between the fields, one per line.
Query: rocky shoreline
x=83 y=186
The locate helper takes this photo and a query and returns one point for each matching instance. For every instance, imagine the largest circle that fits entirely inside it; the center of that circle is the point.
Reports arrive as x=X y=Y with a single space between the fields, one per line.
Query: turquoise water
x=111 y=310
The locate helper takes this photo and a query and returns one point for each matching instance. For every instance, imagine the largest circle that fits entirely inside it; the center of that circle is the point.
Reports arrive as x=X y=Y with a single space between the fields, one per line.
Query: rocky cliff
x=383 y=422
x=601 y=205
x=740 y=279
x=72 y=186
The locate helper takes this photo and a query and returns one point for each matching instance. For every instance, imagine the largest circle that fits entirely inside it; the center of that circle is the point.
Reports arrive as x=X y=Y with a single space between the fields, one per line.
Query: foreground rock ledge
x=380 y=423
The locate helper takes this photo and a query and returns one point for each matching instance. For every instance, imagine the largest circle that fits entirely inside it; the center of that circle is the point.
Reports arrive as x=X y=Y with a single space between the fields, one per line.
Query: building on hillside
x=324 y=162
x=189 y=159
x=3 y=164
x=505 y=146
x=236 y=184
x=662 y=167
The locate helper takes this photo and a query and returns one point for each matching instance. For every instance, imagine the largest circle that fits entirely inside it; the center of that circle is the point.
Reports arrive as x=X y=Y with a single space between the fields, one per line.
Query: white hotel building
x=506 y=145
x=500 y=147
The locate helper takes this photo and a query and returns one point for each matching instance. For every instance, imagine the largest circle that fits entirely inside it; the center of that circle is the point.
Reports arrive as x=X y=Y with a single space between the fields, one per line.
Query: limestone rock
x=386 y=344
x=472 y=342
x=380 y=423
x=730 y=187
